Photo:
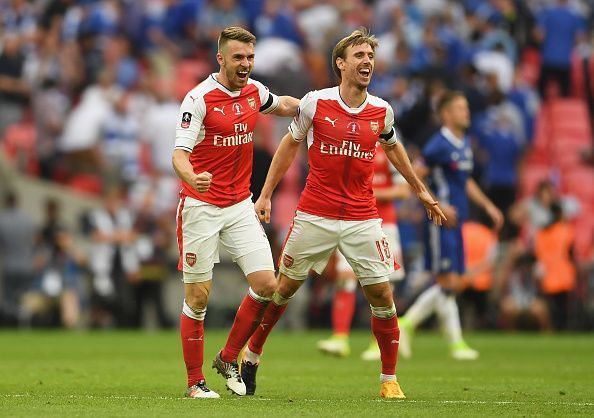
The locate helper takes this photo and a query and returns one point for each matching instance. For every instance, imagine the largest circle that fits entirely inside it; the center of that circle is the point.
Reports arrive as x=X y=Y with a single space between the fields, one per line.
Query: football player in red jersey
x=337 y=209
x=213 y=158
x=388 y=185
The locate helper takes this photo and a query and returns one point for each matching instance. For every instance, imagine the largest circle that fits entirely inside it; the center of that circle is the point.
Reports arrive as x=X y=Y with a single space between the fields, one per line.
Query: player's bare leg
x=384 y=324
x=248 y=317
x=192 y=337
x=285 y=290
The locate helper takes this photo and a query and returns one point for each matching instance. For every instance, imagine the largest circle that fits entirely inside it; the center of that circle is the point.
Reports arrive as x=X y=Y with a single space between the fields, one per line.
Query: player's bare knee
x=265 y=287
x=287 y=287
x=379 y=294
x=196 y=295
x=263 y=283
x=268 y=289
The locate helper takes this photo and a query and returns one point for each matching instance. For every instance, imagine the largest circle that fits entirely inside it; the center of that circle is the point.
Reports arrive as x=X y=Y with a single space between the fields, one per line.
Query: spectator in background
x=480 y=252
x=17 y=240
x=521 y=304
x=525 y=98
x=158 y=126
x=559 y=28
x=500 y=134
x=536 y=212
x=118 y=59
x=14 y=90
x=155 y=237
x=50 y=107
x=516 y=19
x=114 y=262
x=277 y=21
x=82 y=130
x=218 y=15
x=554 y=252
x=494 y=61
x=19 y=18
x=120 y=143
x=56 y=296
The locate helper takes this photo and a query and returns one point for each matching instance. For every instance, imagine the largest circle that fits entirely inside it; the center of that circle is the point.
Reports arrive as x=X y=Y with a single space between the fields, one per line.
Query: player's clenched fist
x=263 y=207
x=201 y=181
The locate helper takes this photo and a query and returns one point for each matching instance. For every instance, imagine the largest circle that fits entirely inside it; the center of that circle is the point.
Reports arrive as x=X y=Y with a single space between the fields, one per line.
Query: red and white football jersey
x=385 y=176
x=341 y=145
x=216 y=125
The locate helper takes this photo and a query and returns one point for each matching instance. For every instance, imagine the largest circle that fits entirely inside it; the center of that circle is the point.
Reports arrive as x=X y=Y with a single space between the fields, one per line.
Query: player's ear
x=220 y=58
x=340 y=63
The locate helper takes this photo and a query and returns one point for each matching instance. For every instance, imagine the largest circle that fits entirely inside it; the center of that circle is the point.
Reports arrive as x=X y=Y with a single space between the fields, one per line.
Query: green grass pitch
x=142 y=374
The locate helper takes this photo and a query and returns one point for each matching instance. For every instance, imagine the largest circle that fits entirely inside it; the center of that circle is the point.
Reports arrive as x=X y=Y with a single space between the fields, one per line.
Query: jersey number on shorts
x=383 y=249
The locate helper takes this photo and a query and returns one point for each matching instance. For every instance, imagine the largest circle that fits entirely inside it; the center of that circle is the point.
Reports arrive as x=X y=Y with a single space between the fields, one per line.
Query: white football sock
x=424 y=306
x=251 y=357
x=387 y=377
x=449 y=317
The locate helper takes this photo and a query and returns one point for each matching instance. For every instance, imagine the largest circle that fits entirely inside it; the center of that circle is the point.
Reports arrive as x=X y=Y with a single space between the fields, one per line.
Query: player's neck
x=222 y=79
x=352 y=96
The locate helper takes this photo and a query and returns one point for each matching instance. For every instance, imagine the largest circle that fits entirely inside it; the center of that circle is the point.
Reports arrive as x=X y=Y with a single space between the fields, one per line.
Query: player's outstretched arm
x=475 y=194
x=398 y=157
x=282 y=160
x=287 y=106
x=396 y=192
x=183 y=169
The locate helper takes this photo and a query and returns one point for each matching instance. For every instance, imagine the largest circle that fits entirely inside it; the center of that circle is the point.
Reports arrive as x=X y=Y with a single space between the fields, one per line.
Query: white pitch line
x=250 y=399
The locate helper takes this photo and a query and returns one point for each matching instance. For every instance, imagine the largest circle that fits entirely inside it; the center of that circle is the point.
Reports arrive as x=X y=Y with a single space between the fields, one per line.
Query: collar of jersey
x=457 y=142
x=353 y=110
x=223 y=88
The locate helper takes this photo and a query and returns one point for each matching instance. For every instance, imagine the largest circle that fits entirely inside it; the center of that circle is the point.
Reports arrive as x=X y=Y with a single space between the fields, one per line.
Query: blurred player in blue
x=448 y=159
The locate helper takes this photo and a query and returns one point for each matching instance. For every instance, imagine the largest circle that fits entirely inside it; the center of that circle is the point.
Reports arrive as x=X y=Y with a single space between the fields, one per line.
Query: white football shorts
x=200 y=228
x=393 y=237
x=312 y=240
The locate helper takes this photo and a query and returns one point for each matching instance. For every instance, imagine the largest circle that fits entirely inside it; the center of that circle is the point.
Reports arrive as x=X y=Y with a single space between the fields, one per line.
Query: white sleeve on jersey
x=268 y=101
x=388 y=136
x=190 y=128
x=304 y=118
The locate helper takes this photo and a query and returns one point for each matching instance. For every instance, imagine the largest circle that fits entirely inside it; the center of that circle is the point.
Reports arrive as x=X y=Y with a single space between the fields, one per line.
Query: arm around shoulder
x=287 y=106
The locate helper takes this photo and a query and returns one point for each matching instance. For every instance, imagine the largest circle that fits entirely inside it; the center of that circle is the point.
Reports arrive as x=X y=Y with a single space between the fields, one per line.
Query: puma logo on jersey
x=331 y=121
x=219 y=109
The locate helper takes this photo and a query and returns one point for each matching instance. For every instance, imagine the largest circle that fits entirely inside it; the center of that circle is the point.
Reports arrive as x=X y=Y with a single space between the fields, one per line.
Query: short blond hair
x=447 y=98
x=358 y=37
x=237 y=34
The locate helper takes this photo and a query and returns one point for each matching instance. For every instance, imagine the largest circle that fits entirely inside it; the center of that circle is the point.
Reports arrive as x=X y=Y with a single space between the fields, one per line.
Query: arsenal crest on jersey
x=288 y=260
x=191 y=259
x=374 y=124
x=252 y=103
x=186 y=119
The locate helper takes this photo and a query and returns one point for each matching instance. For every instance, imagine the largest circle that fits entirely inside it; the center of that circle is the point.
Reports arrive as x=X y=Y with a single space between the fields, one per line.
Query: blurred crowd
x=89 y=98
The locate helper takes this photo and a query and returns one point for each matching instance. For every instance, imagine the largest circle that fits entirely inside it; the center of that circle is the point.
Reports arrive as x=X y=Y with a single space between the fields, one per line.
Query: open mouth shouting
x=365 y=72
x=243 y=75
